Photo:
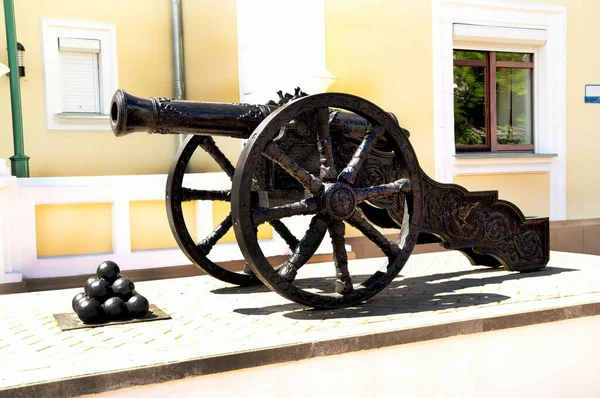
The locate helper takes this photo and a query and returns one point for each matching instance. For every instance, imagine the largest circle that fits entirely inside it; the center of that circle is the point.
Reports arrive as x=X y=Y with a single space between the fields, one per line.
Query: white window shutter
x=79 y=75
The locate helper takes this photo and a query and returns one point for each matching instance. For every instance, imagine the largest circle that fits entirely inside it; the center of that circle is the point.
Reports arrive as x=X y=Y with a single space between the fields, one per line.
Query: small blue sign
x=592 y=93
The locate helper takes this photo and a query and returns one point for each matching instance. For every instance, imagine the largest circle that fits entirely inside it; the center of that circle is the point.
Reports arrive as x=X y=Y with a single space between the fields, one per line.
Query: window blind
x=79 y=75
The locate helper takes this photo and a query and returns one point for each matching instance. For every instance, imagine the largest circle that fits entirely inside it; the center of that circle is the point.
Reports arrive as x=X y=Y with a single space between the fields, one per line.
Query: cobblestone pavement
x=210 y=317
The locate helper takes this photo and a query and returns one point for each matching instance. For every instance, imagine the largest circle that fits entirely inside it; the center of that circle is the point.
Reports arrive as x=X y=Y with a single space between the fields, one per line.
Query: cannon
x=340 y=160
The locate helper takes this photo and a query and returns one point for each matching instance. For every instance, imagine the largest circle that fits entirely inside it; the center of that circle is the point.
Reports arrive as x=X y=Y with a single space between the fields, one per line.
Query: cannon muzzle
x=130 y=114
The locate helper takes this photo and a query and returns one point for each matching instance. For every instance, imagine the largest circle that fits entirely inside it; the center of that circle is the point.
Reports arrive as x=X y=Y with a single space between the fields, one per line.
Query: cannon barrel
x=130 y=114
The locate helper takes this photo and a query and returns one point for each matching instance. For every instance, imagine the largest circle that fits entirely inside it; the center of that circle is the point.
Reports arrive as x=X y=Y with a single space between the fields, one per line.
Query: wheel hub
x=339 y=200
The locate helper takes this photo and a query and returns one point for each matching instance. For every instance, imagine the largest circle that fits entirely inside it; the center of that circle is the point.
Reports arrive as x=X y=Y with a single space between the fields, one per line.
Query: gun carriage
x=342 y=160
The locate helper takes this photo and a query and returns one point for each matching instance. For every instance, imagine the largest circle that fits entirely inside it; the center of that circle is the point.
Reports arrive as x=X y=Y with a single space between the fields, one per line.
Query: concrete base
x=532 y=361
x=218 y=328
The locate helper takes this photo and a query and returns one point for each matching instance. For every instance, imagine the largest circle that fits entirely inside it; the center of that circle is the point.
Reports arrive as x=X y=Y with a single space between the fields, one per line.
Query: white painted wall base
x=18 y=240
x=11 y=277
x=548 y=360
x=7 y=186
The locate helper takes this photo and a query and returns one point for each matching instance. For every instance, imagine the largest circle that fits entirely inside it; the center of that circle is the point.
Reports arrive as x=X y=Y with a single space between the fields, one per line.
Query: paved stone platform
x=216 y=327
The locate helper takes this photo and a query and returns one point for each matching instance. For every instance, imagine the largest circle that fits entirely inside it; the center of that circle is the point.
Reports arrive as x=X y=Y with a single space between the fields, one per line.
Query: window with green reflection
x=493 y=101
x=513 y=106
x=469 y=105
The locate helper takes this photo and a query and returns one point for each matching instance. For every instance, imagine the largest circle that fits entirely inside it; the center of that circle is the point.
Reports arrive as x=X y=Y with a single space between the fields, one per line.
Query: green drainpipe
x=19 y=162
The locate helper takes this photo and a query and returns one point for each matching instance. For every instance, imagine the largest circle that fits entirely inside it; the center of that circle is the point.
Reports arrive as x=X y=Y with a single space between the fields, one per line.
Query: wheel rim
x=176 y=194
x=197 y=253
x=335 y=199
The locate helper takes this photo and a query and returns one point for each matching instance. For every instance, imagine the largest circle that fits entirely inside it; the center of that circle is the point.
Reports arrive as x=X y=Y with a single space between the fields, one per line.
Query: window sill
x=502 y=163
x=82 y=117
x=80 y=121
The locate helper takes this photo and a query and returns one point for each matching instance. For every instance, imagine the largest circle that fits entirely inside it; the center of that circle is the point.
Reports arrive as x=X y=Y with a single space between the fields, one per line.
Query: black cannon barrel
x=131 y=114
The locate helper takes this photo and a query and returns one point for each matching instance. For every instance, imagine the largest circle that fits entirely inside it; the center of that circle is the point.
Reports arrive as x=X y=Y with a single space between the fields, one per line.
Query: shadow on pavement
x=403 y=295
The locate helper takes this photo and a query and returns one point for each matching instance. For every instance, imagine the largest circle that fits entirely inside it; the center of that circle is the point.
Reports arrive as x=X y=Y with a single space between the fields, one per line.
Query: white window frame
x=504 y=26
x=51 y=30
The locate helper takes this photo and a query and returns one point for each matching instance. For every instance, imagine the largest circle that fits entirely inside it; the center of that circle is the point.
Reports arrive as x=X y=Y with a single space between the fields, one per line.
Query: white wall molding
x=281 y=45
x=546 y=38
x=18 y=236
x=8 y=184
x=502 y=165
x=120 y=191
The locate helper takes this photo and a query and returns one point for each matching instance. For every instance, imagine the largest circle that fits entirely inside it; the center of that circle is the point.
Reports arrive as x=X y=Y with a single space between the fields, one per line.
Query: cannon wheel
x=176 y=194
x=333 y=200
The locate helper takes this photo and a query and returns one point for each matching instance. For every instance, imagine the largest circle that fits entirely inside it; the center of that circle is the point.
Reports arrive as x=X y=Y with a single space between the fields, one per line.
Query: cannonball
x=137 y=306
x=100 y=290
x=75 y=301
x=88 y=282
x=108 y=270
x=90 y=310
x=115 y=308
x=123 y=287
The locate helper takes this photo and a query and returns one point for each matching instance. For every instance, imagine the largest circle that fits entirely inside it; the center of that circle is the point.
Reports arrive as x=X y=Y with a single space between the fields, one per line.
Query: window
x=493 y=101
x=80 y=73
x=504 y=26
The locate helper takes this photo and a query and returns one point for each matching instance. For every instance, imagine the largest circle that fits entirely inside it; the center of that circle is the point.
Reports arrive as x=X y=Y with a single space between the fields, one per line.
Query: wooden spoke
x=283 y=231
x=328 y=171
x=264 y=214
x=209 y=145
x=308 y=181
x=189 y=194
x=402 y=185
x=389 y=248
x=305 y=248
x=343 y=283
x=350 y=172
x=206 y=245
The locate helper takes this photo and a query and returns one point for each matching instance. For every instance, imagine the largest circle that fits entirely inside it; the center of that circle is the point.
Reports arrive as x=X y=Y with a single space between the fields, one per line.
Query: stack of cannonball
x=109 y=296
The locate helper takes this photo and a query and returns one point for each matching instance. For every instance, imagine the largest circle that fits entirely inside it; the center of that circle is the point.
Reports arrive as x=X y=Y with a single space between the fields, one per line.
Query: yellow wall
x=210 y=29
x=381 y=50
x=530 y=192
x=72 y=229
x=583 y=138
x=150 y=225
x=145 y=68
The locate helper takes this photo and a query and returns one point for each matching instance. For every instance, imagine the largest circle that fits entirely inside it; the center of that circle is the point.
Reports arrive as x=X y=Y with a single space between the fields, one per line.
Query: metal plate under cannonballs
x=70 y=321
